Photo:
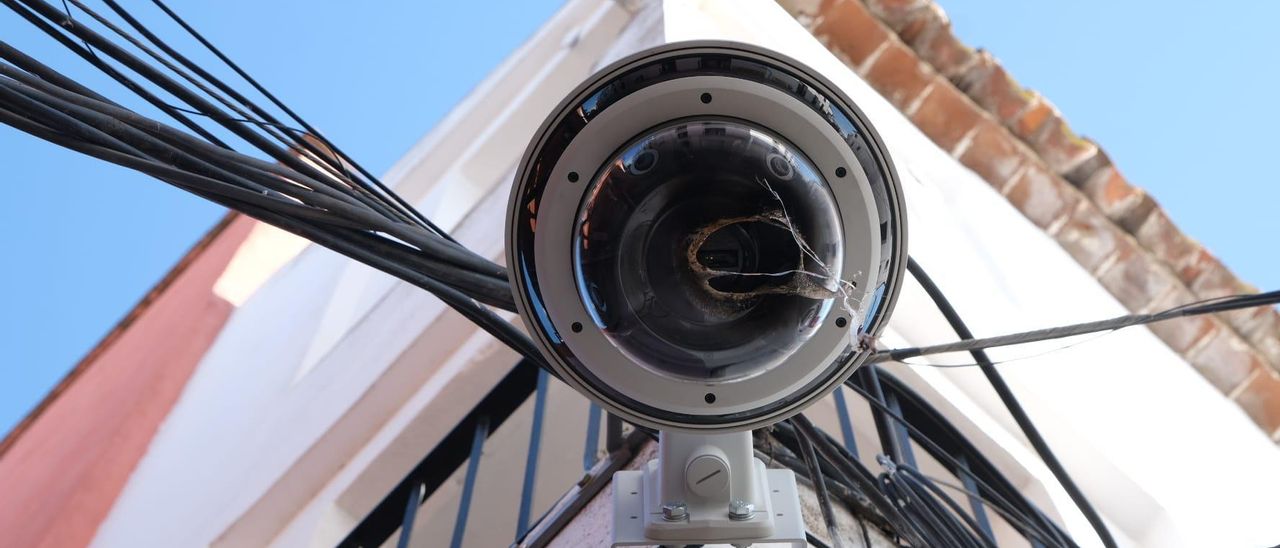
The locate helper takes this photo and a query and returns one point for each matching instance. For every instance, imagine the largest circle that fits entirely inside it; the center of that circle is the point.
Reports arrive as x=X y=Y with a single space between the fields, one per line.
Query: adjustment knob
x=707 y=476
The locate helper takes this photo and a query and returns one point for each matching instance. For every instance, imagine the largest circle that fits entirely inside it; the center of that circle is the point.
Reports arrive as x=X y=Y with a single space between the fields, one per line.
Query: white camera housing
x=704 y=238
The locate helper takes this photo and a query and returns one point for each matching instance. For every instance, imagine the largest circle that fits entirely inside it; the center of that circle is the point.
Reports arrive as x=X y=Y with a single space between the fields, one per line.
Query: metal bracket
x=631 y=511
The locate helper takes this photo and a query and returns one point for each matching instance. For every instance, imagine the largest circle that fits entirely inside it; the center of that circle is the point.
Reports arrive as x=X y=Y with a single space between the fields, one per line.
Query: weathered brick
x=899 y=75
x=993 y=153
x=1060 y=147
x=1266 y=320
x=1214 y=280
x=1028 y=124
x=1123 y=203
x=944 y=113
x=850 y=31
x=896 y=13
x=1182 y=334
x=1201 y=261
x=1268 y=343
x=1165 y=240
x=1090 y=237
x=946 y=53
x=990 y=85
x=1081 y=174
x=1136 y=279
x=1261 y=400
x=922 y=24
x=1262 y=329
x=1225 y=360
x=1041 y=196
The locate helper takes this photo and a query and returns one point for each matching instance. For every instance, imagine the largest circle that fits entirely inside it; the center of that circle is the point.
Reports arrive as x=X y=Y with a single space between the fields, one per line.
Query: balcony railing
x=926 y=463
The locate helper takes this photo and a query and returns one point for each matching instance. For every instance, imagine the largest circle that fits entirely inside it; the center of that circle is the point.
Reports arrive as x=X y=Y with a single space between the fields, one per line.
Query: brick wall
x=1016 y=140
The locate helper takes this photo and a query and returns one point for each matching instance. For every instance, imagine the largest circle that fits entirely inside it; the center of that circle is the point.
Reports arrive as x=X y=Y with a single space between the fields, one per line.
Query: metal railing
x=904 y=422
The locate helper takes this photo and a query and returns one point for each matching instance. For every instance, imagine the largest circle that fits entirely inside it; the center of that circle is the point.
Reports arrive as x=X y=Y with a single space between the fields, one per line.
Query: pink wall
x=63 y=467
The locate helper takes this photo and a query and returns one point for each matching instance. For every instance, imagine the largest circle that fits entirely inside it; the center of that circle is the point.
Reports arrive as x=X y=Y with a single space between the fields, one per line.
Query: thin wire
x=1208 y=306
x=71 y=22
x=1056 y=350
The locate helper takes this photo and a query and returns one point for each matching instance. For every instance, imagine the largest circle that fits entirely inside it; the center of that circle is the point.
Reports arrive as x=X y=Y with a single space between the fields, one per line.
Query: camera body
x=705 y=238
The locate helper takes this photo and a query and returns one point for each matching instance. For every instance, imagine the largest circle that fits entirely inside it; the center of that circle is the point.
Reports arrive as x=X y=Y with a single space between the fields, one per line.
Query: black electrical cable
x=92 y=140
x=867 y=485
x=263 y=118
x=781 y=442
x=1013 y=520
x=95 y=40
x=1045 y=532
x=29 y=64
x=284 y=134
x=817 y=542
x=824 y=502
x=953 y=523
x=117 y=152
x=280 y=104
x=116 y=75
x=938 y=528
x=820 y=485
x=927 y=489
x=1011 y=403
x=79 y=110
x=302 y=144
x=228 y=159
x=274 y=129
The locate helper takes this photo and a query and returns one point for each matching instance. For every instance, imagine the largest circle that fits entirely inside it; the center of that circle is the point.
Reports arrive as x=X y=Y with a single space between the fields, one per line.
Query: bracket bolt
x=741 y=510
x=675 y=511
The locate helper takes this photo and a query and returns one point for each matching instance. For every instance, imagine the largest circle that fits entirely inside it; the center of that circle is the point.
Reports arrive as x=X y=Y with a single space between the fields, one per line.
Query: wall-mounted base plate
x=630 y=513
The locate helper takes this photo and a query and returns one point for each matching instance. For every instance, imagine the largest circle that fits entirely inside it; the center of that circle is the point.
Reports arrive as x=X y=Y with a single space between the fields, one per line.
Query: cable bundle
x=311 y=189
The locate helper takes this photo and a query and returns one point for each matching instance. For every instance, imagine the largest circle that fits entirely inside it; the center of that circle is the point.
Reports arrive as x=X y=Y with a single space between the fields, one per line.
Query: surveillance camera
x=703 y=238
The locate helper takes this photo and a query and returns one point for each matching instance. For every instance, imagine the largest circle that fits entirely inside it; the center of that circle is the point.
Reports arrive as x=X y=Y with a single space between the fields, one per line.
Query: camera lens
x=708 y=249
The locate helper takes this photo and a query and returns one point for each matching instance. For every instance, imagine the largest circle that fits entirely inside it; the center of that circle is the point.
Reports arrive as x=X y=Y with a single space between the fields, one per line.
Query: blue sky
x=83 y=240
x=1180 y=98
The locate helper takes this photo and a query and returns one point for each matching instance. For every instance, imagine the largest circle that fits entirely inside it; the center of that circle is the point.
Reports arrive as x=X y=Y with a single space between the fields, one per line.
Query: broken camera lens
x=709 y=249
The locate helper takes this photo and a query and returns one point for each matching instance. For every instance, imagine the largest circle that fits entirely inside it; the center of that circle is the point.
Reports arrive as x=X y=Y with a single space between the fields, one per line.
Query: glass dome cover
x=708 y=249
x=568 y=265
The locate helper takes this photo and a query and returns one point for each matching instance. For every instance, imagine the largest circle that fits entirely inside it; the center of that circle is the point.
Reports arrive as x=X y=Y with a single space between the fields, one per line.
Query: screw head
x=675 y=511
x=741 y=510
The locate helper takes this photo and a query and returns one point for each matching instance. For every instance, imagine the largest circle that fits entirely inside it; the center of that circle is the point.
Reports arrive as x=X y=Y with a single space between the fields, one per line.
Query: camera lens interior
x=709 y=250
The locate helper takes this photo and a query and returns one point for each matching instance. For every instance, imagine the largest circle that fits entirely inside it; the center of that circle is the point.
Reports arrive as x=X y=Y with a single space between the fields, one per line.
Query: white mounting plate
x=629 y=513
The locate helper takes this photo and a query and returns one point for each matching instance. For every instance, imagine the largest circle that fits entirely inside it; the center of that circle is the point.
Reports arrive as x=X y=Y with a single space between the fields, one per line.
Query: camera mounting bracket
x=706 y=488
